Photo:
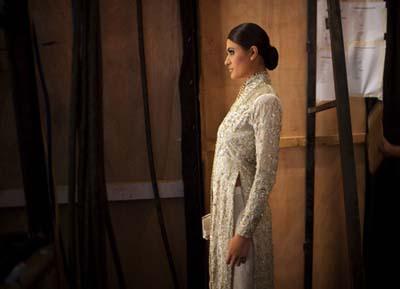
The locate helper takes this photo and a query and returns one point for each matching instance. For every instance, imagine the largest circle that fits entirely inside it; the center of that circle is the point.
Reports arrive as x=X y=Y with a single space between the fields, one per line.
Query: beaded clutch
x=206 y=225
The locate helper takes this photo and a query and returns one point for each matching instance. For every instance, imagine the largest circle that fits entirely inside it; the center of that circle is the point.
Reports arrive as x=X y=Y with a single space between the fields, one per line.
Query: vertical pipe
x=27 y=118
x=310 y=146
x=192 y=166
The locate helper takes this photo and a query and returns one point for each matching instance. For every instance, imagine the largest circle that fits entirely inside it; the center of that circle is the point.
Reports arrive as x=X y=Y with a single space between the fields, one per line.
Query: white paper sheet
x=364 y=26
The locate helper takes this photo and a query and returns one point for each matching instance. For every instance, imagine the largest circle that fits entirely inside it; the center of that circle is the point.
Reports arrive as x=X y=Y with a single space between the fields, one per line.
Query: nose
x=226 y=62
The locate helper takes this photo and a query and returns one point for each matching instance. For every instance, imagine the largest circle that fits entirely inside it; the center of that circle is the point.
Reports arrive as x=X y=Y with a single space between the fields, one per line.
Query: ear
x=253 y=52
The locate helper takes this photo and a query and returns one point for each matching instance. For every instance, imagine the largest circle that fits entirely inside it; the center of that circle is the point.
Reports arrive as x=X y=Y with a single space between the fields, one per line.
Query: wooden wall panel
x=124 y=134
x=136 y=226
x=285 y=22
x=124 y=119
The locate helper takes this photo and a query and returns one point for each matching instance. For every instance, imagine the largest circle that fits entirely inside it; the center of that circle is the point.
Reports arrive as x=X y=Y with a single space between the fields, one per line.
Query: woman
x=244 y=167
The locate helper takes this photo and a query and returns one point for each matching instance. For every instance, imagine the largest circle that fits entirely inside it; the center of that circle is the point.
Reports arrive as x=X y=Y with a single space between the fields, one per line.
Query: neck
x=256 y=70
x=252 y=76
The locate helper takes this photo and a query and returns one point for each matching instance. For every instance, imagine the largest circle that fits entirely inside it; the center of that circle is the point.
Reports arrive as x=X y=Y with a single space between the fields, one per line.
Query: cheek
x=239 y=60
x=240 y=64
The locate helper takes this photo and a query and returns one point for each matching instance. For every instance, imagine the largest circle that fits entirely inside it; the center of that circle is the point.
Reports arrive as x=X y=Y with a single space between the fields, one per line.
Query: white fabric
x=247 y=145
x=243 y=274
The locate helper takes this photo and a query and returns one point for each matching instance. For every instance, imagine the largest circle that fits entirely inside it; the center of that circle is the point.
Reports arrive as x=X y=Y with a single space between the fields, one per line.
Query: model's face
x=238 y=60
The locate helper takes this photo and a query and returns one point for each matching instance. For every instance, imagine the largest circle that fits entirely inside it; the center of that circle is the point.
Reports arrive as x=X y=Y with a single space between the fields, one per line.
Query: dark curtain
x=381 y=243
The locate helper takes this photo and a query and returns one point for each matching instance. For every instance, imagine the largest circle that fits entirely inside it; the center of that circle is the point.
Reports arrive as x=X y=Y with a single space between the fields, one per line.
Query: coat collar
x=253 y=81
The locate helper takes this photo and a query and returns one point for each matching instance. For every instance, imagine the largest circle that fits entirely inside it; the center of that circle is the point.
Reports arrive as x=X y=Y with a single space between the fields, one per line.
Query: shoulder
x=266 y=108
x=265 y=93
x=267 y=100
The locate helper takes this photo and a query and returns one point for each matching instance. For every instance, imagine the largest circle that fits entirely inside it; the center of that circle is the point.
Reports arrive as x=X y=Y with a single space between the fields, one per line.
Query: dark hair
x=248 y=34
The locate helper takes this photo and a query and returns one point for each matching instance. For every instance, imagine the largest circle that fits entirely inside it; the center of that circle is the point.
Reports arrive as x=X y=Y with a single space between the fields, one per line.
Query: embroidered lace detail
x=247 y=144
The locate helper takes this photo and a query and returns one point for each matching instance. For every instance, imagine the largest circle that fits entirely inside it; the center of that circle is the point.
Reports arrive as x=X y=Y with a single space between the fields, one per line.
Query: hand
x=385 y=146
x=238 y=247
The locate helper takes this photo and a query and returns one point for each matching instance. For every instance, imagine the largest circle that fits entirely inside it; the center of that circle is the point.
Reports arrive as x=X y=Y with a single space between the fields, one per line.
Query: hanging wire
x=89 y=215
x=157 y=201
x=57 y=234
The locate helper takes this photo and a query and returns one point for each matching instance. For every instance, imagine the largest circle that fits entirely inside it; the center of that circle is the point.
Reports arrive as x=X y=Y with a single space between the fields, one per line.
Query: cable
x=150 y=146
x=58 y=240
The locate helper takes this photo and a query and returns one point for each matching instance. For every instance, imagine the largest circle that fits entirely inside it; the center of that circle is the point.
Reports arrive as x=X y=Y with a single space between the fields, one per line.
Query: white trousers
x=243 y=277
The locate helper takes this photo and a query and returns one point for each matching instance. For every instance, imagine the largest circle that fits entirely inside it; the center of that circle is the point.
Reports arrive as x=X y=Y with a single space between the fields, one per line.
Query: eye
x=231 y=51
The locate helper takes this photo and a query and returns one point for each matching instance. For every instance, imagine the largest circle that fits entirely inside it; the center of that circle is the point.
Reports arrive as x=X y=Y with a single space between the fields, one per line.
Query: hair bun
x=271 y=59
x=248 y=34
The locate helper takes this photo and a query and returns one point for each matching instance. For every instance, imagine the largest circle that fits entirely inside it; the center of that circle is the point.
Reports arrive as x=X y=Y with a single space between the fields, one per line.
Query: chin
x=233 y=75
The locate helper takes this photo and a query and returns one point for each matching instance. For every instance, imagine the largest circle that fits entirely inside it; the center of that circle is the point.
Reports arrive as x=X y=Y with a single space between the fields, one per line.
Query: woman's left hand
x=385 y=147
x=238 y=247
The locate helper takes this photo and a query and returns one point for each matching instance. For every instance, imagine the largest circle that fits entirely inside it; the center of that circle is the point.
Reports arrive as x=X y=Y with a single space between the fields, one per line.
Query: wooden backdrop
x=285 y=22
x=135 y=221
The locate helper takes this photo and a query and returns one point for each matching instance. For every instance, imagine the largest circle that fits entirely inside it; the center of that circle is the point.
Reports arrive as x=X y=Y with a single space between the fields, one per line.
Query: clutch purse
x=206 y=226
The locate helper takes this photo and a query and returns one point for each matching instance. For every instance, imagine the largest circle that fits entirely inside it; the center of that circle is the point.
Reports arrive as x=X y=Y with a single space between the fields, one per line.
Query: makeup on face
x=236 y=60
x=230 y=51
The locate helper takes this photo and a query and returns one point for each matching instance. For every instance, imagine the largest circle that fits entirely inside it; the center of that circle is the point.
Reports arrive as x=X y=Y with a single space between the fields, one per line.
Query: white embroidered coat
x=247 y=146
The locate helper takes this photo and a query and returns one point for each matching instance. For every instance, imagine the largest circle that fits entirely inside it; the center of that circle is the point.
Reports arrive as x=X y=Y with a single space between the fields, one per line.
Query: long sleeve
x=266 y=122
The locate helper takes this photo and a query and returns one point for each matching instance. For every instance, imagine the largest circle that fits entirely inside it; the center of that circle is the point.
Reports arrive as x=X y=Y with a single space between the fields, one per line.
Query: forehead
x=231 y=44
